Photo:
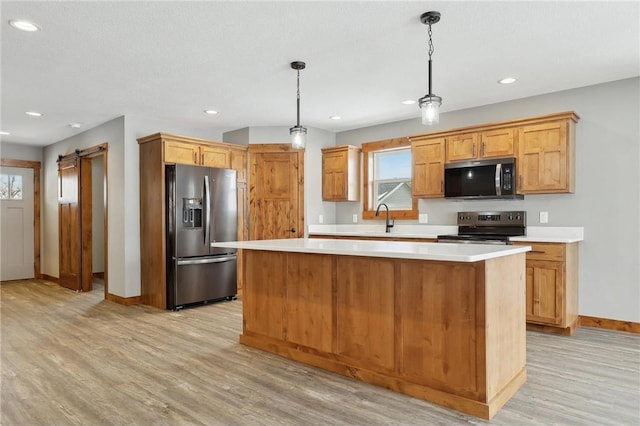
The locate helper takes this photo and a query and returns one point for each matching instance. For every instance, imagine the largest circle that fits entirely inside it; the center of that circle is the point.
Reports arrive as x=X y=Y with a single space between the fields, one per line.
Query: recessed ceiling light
x=210 y=111
x=507 y=80
x=34 y=113
x=23 y=25
x=75 y=125
x=335 y=117
x=4 y=133
x=408 y=102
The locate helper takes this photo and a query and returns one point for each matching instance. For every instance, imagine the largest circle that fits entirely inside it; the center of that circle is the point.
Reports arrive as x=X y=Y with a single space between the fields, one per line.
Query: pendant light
x=430 y=103
x=297 y=132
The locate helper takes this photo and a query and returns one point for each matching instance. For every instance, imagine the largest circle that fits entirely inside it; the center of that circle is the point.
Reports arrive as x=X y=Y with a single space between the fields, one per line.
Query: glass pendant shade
x=430 y=107
x=298 y=137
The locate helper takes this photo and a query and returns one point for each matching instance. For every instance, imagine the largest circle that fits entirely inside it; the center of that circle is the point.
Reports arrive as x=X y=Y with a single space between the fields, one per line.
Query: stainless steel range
x=487 y=227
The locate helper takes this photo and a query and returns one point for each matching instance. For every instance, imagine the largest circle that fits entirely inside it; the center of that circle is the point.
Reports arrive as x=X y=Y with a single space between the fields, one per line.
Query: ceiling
x=93 y=61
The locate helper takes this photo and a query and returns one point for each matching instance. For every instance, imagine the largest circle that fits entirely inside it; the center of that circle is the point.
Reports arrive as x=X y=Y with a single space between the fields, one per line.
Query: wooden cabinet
x=155 y=151
x=479 y=145
x=498 y=143
x=546 y=157
x=544 y=148
x=428 y=167
x=463 y=146
x=198 y=154
x=552 y=286
x=341 y=173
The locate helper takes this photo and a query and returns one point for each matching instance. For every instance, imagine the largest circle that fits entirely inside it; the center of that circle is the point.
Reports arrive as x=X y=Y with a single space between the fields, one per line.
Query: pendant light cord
x=430 y=53
x=298 y=100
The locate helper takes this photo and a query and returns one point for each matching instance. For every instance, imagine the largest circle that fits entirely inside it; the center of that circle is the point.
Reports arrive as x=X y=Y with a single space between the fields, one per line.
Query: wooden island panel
x=365 y=309
x=309 y=315
x=448 y=332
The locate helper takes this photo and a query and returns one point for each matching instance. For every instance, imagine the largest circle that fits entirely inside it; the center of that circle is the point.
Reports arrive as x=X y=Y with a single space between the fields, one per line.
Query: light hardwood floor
x=75 y=359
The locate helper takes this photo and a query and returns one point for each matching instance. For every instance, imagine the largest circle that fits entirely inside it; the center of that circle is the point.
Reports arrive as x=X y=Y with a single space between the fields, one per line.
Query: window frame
x=368 y=205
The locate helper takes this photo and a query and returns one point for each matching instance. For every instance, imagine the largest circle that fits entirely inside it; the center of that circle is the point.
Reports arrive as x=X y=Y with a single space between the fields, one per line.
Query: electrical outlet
x=544 y=217
x=355 y=218
x=423 y=218
x=320 y=219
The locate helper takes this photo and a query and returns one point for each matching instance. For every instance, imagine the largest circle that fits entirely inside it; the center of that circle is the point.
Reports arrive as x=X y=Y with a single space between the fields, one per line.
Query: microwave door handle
x=498 y=176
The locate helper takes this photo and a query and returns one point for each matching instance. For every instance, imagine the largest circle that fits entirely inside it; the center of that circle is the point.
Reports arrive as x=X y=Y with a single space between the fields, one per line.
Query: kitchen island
x=441 y=322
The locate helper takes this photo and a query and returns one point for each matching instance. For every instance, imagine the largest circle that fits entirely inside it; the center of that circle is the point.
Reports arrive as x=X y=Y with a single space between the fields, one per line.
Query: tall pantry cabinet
x=155 y=151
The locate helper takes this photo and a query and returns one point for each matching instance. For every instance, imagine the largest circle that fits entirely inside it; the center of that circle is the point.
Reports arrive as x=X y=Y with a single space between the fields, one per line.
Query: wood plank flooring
x=75 y=359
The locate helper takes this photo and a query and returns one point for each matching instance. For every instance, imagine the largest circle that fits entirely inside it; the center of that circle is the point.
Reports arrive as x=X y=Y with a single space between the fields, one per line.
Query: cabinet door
x=180 y=153
x=542 y=158
x=462 y=147
x=428 y=167
x=334 y=176
x=545 y=292
x=239 y=164
x=497 y=143
x=214 y=156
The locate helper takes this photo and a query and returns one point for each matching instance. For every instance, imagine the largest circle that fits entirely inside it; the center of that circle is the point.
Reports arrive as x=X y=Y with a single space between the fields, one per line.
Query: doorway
x=19 y=202
x=276 y=190
x=82 y=215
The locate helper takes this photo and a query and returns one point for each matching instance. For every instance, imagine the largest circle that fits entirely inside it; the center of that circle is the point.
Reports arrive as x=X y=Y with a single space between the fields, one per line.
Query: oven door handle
x=497 y=179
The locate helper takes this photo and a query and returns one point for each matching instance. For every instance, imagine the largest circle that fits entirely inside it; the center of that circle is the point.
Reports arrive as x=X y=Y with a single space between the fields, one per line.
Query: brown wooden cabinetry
x=463 y=146
x=546 y=157
x=428 y=167
x=155 y=151
x=479 y=145
x=552 y=287
x=544 y=148
x=341 y=173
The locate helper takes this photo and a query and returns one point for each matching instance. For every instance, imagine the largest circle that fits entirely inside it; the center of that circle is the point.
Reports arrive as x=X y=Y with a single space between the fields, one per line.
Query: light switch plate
x=544 y=217
x=320 y=219
x=423 y=218
x=355 y=218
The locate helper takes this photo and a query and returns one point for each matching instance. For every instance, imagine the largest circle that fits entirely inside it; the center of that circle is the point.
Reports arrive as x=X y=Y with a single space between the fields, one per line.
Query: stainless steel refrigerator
x=202 y=208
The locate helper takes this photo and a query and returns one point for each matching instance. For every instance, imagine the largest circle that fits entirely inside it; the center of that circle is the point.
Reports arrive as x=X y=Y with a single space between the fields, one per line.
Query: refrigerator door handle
x=200 y=261
x=207 y=214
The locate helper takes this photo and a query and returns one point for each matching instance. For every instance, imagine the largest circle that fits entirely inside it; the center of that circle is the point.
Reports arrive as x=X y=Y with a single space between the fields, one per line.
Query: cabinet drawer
x=545 y=251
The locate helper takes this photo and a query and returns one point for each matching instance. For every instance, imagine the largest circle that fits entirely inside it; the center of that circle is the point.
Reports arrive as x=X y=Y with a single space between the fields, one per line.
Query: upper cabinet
x=479 y=145
x=195 y=153
x=341 y=173
x=427 y=174
x=546 y=157
x=544 y=148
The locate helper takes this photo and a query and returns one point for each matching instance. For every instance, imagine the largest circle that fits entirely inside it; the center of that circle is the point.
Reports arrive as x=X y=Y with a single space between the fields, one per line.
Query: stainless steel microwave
x=483 y=179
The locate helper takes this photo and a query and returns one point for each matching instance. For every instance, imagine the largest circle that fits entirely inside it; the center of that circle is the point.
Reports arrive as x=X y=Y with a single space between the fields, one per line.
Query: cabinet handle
x=520 y=179
x=441 y=186
x=482 y=152
x=537 y=251
x=195 y=158
x=474 y=150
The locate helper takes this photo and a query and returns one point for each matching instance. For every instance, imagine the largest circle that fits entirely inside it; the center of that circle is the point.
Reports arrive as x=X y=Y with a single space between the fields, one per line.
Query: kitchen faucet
x=388 y=225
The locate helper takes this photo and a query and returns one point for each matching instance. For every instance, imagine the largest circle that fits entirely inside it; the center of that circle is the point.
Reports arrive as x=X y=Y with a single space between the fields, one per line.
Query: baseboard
x=99 y=275
x=610 y=324
x=49 y=278
x=127 y=301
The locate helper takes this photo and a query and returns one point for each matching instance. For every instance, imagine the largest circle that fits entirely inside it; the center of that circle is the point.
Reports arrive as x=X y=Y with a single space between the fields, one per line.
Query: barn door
x=70 y=235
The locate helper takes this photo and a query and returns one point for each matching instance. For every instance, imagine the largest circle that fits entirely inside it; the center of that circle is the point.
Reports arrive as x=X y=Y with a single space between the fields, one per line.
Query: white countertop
x=449 y=252
x=548 y=234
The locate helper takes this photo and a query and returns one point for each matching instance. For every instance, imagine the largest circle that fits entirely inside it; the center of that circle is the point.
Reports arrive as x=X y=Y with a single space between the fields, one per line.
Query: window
x=392 y=178
x=10 y=187
x=387 y=175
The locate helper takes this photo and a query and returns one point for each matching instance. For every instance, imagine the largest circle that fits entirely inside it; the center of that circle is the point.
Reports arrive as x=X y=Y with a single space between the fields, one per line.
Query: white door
x=17 y=223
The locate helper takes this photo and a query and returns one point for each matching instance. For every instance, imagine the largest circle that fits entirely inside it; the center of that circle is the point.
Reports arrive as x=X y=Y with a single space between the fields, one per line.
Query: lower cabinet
x=552 y=287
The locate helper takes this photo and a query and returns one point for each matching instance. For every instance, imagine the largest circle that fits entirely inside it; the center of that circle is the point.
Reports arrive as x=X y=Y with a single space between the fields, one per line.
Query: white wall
x=12 y=151
x=112 y=133
x=606 y=201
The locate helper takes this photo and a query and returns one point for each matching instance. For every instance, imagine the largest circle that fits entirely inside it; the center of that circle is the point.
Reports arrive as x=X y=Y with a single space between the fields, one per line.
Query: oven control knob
x=517 y=217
